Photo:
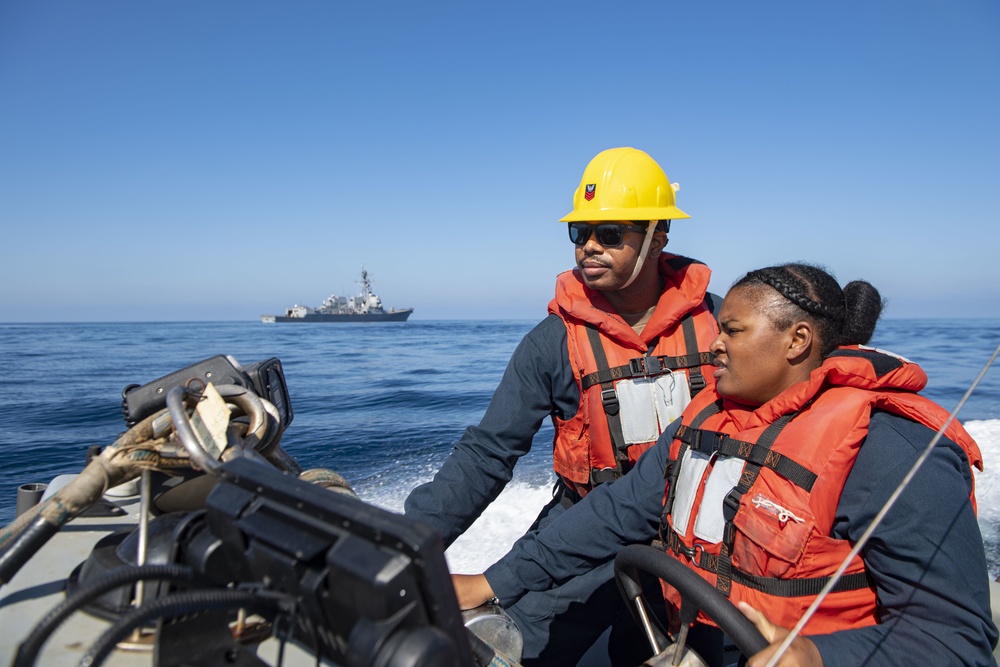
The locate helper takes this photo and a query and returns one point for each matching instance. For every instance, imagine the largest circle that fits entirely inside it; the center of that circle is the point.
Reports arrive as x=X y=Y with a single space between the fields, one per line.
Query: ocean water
x=383 y=403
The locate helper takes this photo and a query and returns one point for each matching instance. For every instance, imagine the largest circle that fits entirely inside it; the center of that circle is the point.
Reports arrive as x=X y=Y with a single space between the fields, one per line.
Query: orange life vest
x=618 y=371
x=767 y=483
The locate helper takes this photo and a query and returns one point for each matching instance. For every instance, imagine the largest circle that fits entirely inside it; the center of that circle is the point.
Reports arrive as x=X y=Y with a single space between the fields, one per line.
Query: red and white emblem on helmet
x=589 y=194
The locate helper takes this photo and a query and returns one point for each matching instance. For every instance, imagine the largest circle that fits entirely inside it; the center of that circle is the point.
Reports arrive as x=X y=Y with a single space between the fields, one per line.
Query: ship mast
x=365 y=285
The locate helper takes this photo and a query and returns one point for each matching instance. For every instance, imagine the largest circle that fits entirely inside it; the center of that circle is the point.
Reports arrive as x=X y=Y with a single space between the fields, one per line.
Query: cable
x=27 y=652
x=173 y=606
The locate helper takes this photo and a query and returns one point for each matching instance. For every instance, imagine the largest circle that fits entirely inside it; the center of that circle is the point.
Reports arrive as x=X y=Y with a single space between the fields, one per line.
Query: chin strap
x=642 y=253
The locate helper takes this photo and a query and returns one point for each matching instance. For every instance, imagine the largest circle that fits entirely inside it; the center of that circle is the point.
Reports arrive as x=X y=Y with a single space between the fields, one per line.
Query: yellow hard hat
x=624 y=184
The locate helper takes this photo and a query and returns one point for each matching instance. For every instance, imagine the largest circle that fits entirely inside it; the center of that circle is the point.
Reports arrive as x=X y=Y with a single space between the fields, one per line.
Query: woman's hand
x=472 y=590
x=801 y=653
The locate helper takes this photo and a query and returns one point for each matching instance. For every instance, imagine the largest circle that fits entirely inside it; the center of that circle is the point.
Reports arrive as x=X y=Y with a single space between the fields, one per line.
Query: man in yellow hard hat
x=623 y=350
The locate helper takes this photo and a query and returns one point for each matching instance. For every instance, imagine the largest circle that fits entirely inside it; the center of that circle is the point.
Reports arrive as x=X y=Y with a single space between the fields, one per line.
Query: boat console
x=268 y=569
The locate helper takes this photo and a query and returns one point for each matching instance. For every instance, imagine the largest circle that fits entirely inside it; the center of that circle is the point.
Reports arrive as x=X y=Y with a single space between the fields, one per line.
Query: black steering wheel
x=696 y=595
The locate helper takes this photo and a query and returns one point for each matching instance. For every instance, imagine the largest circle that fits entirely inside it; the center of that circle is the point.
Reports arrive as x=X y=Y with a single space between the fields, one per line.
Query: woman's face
x=755 y=361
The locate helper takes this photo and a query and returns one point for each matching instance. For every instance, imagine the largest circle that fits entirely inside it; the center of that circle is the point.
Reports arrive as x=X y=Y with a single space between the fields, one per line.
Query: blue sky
x=192 y=160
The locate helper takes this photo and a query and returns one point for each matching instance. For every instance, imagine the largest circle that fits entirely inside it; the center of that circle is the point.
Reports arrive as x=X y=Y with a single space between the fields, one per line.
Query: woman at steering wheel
x=772 y=477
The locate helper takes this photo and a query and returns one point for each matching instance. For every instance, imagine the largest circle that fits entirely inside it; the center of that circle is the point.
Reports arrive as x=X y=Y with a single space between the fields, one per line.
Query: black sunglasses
x=609 y=234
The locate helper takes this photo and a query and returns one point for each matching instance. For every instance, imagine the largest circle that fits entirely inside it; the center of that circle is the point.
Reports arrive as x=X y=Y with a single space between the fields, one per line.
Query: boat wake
x=987 y=434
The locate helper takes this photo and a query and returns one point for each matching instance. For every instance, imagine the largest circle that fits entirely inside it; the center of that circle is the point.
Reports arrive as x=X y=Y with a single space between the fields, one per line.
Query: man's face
x=607 y=269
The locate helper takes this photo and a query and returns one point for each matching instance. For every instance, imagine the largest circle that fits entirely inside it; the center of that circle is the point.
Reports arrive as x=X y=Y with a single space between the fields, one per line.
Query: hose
x=31 y=646
x=141 y=432
x=112 y=467
x=328 y=479
x=173 y=606
x=123 y=460
x=134 y=451
x=24 y=546
x=12 y=529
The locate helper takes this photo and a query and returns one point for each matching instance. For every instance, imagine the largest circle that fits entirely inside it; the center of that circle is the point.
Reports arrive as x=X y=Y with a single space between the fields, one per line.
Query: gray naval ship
x=366 y=307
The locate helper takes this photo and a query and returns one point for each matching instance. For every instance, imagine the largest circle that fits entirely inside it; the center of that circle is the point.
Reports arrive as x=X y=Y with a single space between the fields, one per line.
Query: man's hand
x=801 y=653
x=472 y=590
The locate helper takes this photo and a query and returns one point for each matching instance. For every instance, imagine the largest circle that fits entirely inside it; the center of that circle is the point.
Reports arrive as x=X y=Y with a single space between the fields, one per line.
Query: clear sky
x=193 y=160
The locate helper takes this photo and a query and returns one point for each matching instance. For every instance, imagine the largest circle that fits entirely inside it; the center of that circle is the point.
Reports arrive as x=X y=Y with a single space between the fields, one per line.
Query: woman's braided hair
x=842 y=316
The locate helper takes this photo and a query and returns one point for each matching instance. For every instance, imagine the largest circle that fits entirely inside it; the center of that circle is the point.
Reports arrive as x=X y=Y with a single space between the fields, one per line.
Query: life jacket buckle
x=705 y=441
x=696 y=381
x=609 y=399
x=695 y=554
x=693 y=439
x=646 y=366
x=600 y=476
x=731 y=505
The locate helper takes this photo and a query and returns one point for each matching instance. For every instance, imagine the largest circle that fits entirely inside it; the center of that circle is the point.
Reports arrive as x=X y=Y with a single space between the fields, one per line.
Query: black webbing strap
x=731 y=504
x=564 y=495
x=603 y=476
x=609 y=399
x=651 y=366
x=673 y=469
x=696 y=381
x=793 y=588
x=704 y=560
x=784 y=588
x=701 y=440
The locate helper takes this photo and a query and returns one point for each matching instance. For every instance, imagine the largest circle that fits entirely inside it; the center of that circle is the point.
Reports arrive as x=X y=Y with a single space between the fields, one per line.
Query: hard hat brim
x=611 y=214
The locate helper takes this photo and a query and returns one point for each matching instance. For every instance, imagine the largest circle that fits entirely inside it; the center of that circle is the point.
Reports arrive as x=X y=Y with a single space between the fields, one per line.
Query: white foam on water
x=987 y=435
x=492 y=535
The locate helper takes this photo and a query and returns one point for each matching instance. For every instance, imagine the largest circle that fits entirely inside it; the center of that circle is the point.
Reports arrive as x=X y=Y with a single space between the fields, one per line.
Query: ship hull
x=396 y=316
